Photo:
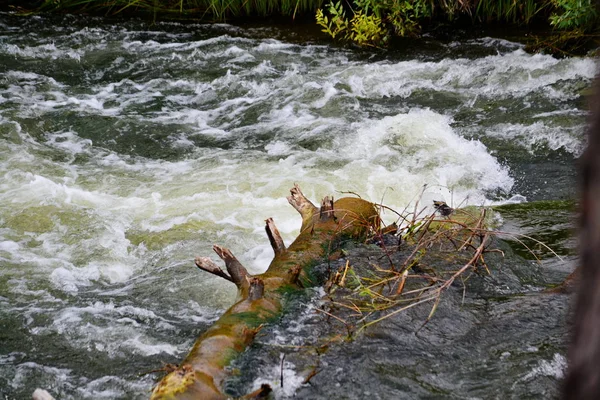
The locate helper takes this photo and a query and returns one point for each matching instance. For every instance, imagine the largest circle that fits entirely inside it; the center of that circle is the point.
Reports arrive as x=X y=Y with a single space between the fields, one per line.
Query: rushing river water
x=126 y=149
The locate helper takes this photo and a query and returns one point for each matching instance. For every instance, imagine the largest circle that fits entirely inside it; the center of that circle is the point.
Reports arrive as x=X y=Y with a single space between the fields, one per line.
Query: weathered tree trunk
x=201 y=374
x=583 y=374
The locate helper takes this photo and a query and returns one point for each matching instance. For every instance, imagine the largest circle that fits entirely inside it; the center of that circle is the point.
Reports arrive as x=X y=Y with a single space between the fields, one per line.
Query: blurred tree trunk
x=583 y=374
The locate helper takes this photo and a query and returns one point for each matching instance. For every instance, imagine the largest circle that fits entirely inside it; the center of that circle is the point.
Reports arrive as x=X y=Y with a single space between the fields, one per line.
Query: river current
x=127 y=148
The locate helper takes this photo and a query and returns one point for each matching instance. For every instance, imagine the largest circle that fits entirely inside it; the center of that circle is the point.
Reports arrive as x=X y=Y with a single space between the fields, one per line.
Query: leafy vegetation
x=364 y=29
x=363 y=22
x=381 y=18
x=370 y=19
x=574 y=14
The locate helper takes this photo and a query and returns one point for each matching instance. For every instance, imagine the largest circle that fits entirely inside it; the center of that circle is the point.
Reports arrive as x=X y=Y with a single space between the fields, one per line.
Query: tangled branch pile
x=423 y=259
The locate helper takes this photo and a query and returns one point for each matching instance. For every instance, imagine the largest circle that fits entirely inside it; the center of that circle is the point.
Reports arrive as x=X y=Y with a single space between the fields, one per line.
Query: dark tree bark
x=583 y=374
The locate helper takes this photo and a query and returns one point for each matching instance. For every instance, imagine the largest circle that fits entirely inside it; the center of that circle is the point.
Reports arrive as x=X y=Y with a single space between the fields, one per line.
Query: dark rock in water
x=443 y=208
x=387 y=240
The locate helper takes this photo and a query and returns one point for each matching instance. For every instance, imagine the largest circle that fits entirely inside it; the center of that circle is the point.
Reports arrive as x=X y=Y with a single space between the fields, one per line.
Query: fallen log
x=259 y=301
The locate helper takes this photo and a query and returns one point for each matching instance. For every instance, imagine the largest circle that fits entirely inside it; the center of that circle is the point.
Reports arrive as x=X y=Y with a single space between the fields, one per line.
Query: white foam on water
x=272 y=376
x=516 y=199
x=142 y=46
x=568 y=112
x=59 y=382
x=49 y=51
x=555 y=368
x=140 y=345
x=70 y=142
x=25 y=371
x=419 y=148
x=278 y=148
x=112 y=387
x=192 y=311
x=114 y=330
x=31 y=296
x=511 y=74
x=71 y=279
x=24 y=78
x=10 y=358
x=272 y=45
x=297 y=332
x=82 y=239
x=538 y=134
x=9 y=246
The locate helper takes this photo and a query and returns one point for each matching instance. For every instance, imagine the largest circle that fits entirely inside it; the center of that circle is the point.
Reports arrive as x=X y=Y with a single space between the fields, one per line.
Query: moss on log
x=202 y=373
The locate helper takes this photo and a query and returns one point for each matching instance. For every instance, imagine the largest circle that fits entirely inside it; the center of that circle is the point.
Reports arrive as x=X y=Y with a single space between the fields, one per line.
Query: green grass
x=364 y=22
x=513 y=11
x=564 y=14
x=217 y=10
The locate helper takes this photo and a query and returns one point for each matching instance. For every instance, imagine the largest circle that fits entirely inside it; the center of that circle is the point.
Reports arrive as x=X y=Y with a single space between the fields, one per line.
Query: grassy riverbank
x=370 y=23
x=207 y=10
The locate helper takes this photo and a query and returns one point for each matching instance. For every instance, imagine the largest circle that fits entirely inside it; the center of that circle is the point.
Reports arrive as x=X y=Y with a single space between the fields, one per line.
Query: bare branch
x=208 y=265
x=300 y=203
x=236 y=270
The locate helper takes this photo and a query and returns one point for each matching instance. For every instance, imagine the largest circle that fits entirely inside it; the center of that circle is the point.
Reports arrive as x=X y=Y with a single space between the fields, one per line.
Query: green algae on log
x=259 y=301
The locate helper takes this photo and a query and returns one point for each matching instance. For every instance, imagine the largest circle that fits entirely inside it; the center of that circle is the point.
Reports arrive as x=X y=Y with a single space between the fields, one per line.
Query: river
x=127 y=148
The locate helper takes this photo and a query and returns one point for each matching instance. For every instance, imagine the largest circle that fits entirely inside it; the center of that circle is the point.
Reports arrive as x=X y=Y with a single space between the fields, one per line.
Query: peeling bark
x=326 y=211
x=203 y=371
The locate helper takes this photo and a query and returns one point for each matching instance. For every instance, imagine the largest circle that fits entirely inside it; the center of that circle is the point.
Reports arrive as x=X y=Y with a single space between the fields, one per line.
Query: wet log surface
x=260 y=298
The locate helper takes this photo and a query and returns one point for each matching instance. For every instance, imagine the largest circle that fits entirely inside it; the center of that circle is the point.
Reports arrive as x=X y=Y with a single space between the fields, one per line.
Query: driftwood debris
x=202 y=373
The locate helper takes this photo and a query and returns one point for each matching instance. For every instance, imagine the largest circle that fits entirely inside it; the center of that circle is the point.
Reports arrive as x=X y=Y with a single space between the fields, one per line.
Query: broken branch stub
x=208 y=265
x=304 y=206
x=257 y=289
x=235 y=268
x=274 y=236
x=202 y=374
x=326 y=212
